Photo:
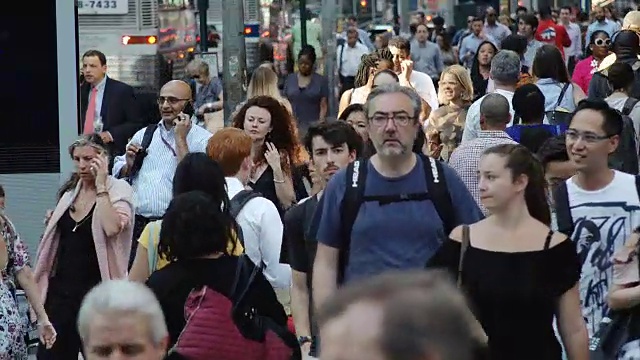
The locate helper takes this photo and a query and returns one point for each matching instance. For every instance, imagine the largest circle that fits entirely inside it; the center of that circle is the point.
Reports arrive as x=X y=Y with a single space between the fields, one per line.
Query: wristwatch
x=304 y=339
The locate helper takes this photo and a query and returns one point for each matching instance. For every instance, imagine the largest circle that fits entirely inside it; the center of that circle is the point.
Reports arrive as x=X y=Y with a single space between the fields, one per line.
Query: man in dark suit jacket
x=114 y=104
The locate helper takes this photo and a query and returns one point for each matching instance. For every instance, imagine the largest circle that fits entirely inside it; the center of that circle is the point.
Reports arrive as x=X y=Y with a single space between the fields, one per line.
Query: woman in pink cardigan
x=87 y=240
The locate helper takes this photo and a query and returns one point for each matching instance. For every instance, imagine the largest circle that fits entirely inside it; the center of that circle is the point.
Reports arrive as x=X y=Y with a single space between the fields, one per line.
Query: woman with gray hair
x=207 y=90
x=132 y=325
x=87 y=239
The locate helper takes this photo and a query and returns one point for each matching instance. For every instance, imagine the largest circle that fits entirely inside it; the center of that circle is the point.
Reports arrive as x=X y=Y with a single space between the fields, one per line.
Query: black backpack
x=563 y=208
x=625 y=157
x=237 y=202
x=437 y=192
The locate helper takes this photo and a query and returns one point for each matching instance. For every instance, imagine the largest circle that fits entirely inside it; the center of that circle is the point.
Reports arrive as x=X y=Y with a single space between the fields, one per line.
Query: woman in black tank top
x=517 y=273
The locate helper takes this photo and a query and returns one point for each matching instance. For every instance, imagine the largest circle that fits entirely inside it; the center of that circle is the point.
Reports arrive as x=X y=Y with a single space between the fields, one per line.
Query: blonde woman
x=455 y=95
x=265 y=82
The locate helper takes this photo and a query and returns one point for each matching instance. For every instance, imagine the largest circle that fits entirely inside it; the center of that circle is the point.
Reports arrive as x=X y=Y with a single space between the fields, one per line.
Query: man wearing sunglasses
x=161 y=146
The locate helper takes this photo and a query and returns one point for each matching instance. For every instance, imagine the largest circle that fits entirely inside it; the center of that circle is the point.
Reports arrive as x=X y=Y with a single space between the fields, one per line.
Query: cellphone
x=181 y=117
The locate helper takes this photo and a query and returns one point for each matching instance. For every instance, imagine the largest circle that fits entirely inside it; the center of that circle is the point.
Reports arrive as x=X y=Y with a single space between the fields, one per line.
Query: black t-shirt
x=173 y=283
x=302 y=246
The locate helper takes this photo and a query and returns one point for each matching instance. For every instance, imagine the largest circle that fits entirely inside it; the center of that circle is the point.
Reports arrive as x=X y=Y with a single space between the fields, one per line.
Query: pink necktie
x=91 y=112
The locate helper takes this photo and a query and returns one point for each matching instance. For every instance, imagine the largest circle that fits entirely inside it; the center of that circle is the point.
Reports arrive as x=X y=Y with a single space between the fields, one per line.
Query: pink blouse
x=583 y=72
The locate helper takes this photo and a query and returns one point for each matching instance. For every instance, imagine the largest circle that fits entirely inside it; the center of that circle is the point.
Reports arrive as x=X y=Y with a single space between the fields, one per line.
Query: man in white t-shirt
x=403 y=66
x=598 y=207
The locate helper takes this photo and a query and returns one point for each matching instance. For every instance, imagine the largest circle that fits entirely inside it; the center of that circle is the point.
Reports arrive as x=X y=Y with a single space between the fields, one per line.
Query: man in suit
x=107 y=101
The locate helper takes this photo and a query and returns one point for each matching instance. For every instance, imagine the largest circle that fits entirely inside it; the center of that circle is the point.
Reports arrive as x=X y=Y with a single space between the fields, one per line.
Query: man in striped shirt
x=172 y=139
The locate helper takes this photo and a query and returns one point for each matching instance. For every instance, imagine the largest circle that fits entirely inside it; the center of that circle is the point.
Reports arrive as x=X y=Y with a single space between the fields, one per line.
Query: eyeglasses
x=602 y=42
x=195 y=77
x=399 y=119
x=588 y=137
x=170 y=99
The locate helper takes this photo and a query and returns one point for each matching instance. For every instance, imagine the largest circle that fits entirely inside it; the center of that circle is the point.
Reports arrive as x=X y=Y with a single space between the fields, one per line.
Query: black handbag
x=557 y=117
x=611 y=335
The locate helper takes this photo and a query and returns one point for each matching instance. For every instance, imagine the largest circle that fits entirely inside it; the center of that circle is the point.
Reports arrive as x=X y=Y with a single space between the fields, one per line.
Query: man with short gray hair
x=123 y=319
x=494 y=117
x=387 y=207
x=505 y=72
x=411 y=315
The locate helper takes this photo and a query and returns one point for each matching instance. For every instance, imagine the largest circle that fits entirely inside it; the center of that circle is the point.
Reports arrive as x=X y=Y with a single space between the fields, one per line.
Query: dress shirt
x=427 y=58
x=530 y=54
x=262 y=231
x=348 y=60
x=153 y=186
x=465 y=159
x=575 y=35
x=497 y=31
x=472 y=123
x=99 y=96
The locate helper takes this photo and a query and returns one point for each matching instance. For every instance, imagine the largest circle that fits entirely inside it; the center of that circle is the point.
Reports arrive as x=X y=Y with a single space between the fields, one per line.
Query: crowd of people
x=471 y=202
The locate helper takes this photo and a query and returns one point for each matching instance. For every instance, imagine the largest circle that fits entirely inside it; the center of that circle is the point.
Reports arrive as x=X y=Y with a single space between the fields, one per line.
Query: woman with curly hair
x=370 y=64
x=276 y=151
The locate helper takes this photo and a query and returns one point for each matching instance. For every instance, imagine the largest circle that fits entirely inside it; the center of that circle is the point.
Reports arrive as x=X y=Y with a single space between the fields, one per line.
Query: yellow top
x=162 y=262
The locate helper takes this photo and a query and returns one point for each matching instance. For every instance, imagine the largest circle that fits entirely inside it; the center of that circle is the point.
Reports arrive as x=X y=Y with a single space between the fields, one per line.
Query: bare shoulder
x=456 y=234
x=558 y=238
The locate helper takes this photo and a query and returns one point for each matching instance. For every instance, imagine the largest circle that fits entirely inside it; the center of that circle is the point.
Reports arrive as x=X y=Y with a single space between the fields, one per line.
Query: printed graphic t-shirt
x=603 y=220
x=551 y=33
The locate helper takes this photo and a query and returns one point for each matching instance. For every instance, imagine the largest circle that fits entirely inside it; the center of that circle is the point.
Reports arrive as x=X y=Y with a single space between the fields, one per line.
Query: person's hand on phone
x=100 y=169
x=183 y=125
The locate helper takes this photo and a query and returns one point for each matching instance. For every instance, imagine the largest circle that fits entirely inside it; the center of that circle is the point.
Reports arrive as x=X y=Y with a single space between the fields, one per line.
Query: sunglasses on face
x=602 y=42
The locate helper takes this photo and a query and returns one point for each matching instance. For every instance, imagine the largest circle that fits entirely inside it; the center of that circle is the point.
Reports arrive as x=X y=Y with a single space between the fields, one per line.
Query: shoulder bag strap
x=561 y=96
x=464 y=245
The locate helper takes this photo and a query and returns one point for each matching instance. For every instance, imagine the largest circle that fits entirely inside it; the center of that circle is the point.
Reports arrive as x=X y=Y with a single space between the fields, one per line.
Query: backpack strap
x=146 y=141
x=439 y=192
x=152 y=246
x=350 y=206
x=243 y=281
x=629 y=104
x=563 y=209
x=239 y=200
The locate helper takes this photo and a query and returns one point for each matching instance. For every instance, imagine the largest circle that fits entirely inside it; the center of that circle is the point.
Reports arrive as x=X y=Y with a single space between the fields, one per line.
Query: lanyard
x=166 y=143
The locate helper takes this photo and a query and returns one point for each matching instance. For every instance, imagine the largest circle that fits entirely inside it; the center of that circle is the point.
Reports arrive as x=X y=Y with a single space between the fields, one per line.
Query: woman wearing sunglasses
x=598 y=49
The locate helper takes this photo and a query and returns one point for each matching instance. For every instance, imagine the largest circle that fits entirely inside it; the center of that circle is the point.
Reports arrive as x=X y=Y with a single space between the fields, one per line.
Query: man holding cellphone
x=172 y=138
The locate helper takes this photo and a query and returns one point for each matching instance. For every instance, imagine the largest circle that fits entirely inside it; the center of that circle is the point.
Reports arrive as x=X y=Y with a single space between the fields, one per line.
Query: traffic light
x=363 y=3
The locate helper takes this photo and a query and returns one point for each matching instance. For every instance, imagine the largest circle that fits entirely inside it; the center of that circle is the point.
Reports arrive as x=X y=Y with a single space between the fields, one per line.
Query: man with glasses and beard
x=169 y=141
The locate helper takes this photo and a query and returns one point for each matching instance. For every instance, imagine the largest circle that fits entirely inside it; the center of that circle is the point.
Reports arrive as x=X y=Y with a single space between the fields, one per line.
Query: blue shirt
x=607 y=25
x=551 y=90
x=400 y=235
